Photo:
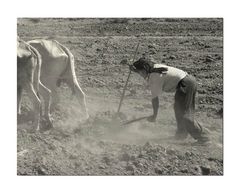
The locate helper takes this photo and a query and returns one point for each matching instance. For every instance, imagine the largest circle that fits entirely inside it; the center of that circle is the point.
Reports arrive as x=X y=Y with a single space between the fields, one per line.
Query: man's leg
x=192 y=126
x=181 y=132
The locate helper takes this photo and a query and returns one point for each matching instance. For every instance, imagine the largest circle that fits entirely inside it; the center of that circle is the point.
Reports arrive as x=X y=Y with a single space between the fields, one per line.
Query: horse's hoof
x=46 y=125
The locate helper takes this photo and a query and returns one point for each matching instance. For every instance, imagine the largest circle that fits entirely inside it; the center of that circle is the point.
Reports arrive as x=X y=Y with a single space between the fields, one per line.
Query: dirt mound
x=99 y=146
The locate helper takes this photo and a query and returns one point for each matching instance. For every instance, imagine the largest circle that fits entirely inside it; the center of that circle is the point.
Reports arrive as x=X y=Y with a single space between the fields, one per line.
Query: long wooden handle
x=134 y=120
x=125 y=86
x=123 y=93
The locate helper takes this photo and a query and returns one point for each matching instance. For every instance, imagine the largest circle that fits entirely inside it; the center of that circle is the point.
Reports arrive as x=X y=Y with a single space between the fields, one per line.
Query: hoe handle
x=125 y=86
x=123 y=93
x=134 y=120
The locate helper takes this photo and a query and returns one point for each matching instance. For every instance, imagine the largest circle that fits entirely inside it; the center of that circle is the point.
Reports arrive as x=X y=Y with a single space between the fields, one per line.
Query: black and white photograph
x=120 y=96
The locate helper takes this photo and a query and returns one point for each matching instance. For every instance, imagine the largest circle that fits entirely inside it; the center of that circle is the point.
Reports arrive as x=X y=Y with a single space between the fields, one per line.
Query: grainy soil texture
x=102 y=145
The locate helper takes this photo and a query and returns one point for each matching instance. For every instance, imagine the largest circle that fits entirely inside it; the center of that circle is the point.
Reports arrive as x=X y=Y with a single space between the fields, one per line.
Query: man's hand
x=151 y=118
x=132 y=68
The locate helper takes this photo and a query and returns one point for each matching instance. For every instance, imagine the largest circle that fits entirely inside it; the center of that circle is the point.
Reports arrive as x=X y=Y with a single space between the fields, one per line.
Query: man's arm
x=161 y=70
x=155 y=106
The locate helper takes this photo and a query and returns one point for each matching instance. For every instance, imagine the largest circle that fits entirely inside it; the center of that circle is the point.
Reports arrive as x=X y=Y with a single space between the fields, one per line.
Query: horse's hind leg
x=81 y=97
x=19 y=99
x=46 y=94
x=36 y=104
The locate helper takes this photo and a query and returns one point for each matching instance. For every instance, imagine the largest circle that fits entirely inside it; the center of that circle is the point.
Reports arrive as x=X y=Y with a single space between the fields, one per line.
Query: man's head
x=142 y=67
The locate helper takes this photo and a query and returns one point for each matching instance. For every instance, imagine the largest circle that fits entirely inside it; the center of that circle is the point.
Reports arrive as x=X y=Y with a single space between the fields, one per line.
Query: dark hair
x=147 y=65
x=143 y=64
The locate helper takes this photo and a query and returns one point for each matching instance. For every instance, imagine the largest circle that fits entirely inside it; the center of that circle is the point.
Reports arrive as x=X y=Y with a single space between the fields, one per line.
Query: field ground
x=101 y=145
